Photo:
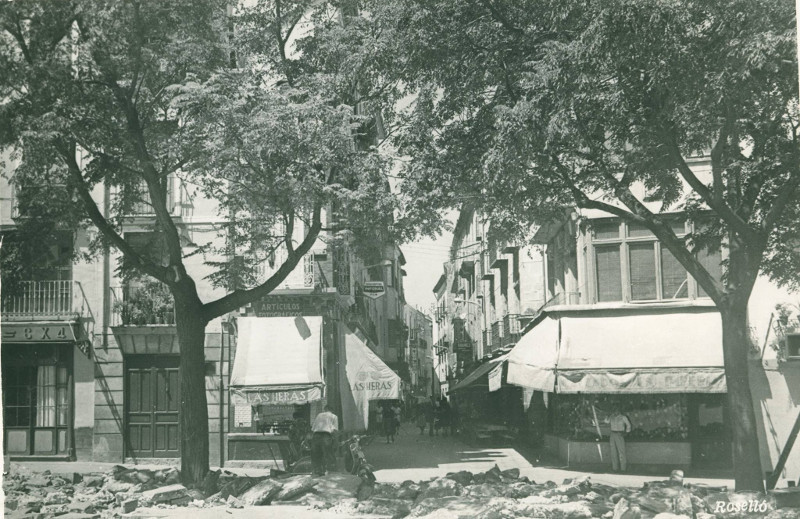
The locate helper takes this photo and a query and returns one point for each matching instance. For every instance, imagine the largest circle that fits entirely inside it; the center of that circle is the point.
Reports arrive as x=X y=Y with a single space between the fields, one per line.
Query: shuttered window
x=609 y=281
x=712 y=263
x=674 y=278
x=642 y=261
x=631 y=265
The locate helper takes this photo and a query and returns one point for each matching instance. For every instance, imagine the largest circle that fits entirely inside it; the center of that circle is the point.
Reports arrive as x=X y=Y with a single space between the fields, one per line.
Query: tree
x=526 y=108
x=127 y=95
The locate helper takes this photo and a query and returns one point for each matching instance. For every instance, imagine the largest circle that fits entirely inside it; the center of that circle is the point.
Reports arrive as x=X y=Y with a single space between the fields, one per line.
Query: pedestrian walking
x=325 y=425
x=430 y=415
x=398 y=414
x=422 y=418
x=443 y=416
x=620 y=426
x=389 y=423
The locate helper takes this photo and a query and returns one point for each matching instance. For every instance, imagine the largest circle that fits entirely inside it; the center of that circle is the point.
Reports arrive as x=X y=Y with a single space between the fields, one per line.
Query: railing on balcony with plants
x=142 y=303
x=511 y=329
x=54 y=299
x=144 y=207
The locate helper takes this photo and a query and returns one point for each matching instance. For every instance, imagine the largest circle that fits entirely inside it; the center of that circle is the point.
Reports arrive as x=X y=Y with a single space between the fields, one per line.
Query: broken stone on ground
x=493 y=494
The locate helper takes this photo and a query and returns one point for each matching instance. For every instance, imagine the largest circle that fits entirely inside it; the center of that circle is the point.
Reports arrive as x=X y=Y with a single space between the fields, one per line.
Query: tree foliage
x=130 y=96
x=633 y=107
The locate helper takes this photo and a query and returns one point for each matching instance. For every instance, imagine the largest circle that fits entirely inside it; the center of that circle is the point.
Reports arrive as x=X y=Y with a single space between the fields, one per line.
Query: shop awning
x=366 y=377
x=664 y=352
x=472 y=379
x=660 y=351
x=532 y=362
x=278 y=360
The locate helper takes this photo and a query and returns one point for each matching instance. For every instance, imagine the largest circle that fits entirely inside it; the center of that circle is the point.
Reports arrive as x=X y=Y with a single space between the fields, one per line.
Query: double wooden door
x=153 y=394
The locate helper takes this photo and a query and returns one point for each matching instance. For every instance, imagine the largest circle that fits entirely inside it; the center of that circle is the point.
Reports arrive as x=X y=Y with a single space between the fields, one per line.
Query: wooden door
x=153 y=396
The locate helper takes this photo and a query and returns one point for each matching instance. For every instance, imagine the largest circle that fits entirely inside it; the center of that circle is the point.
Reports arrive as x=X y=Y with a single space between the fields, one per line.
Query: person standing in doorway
x=389 y=423
x=620 y=426
x=325 y=425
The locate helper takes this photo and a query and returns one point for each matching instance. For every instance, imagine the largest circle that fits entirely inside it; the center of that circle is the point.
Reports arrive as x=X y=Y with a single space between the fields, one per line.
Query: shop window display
x=652 y=417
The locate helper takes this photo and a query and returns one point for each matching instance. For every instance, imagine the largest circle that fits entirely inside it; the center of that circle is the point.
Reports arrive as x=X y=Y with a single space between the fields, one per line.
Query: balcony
x=497 y=335
x=44 y=300
x=142 y=304
x=511 y=329
x=175 y=200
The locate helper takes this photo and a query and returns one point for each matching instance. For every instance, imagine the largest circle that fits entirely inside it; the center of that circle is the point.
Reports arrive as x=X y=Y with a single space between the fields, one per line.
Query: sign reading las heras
x=38 y=333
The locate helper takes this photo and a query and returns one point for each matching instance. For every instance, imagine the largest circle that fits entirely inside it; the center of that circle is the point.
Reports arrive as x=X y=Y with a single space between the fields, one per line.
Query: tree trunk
x=736 y=343
x=191 y=330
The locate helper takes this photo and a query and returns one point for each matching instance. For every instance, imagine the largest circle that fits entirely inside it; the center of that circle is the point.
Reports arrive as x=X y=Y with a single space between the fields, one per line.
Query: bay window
x=630 y=264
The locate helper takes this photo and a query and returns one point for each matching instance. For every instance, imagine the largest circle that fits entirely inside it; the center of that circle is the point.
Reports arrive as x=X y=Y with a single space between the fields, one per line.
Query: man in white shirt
x=620 y=425
x=325 y=424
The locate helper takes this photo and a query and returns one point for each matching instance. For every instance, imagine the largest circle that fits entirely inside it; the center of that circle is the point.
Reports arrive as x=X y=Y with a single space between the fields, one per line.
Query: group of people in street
x=436 y=416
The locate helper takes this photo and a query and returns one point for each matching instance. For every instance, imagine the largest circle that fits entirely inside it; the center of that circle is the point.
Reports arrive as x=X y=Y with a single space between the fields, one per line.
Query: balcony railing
x=132 y=305
x=144 y=207
x=57 y=299
x=511 y=329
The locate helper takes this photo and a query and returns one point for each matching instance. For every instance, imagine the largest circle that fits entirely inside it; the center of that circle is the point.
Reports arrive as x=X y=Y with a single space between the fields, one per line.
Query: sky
x=424 y=261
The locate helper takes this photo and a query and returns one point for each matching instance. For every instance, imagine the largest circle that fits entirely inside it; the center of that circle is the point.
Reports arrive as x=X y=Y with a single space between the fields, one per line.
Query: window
x=609 y=284
x=793 y=346
x=632 y=265
x=642 y=259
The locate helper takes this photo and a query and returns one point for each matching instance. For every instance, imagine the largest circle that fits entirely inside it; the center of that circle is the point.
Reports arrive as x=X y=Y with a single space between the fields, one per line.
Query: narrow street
x=419 y=457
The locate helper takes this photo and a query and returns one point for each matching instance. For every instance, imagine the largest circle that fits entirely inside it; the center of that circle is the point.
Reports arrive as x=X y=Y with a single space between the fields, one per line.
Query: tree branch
x=639 y=213
x=716 y=155
x=141 y=262
x=779 y=204
x=239 y=298
x=722 y=209
x=501 y=18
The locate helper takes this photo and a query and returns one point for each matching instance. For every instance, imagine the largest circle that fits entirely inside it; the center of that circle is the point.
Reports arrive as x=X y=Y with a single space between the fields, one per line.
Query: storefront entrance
x=36 y=403
x=708 y=430
x=152 y=420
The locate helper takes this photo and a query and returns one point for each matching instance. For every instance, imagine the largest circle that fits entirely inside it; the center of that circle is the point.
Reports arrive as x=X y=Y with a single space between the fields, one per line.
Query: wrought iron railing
x=131 y=307
x=57 y=299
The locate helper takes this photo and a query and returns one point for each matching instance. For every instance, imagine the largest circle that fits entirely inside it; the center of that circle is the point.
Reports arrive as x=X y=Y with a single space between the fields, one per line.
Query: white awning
x=677 y=351
x=658 y=351
x=278 y=360
x=532 y=362
x=366 y=377
x=472 y=379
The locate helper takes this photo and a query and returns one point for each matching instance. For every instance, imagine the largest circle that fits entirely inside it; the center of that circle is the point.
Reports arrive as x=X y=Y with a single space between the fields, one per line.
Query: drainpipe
x=223 y=327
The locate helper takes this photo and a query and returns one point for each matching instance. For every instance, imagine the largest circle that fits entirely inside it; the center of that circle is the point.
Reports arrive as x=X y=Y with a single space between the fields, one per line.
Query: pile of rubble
x=493 y=494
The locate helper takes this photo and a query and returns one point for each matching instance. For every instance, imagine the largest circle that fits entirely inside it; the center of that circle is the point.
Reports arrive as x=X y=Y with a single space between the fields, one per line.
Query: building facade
x=90 y=357
x=620 y=323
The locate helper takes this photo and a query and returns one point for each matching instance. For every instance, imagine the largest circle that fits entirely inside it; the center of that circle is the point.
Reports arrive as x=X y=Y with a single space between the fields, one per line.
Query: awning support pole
x=772 y=480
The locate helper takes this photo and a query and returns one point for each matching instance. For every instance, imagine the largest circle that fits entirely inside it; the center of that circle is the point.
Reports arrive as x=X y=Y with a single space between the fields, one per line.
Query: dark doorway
x=708 y=431
x=152 y=420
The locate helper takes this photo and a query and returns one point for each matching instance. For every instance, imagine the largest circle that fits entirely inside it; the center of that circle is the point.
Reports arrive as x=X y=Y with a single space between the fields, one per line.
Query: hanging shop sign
x=40 y=332
x=373 y=289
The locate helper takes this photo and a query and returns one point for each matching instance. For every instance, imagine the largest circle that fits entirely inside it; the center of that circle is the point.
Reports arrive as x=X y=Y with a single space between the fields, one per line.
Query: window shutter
x=711 y=261
x=673 y=276
x=642 y=271
x=609 y=283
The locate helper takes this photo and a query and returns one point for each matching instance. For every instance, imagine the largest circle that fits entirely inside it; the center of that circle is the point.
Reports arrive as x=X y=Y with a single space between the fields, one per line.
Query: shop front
x=661 y=367
x=486 y=407
x=38 y=389
x=277 y=381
